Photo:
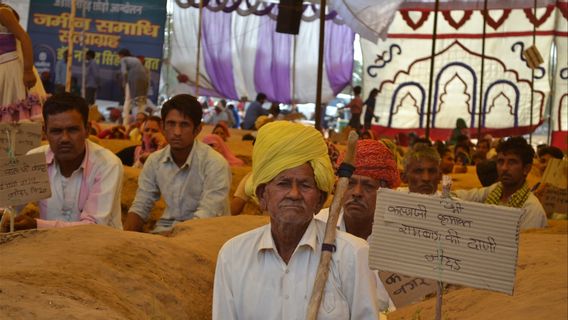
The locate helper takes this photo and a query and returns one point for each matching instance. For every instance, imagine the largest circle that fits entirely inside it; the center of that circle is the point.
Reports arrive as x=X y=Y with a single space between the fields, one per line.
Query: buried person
x=85 y=178
x=267 y=273
x=193 y=178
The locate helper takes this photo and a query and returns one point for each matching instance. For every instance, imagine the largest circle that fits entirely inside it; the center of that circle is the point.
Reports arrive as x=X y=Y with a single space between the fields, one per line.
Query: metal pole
x=198 y=48
x=434 y=34
x=68 y=73
x=320 y=64
x=84 y=62
x=480 y=114
x=532 y=78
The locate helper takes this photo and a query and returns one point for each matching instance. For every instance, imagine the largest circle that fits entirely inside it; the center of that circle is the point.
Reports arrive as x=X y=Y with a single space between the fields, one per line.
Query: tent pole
x=320 y=65
x=293 y=70
x=532 y=77
x=68 y=72
x=480 y=114
x=199 y=31
x=434 y=34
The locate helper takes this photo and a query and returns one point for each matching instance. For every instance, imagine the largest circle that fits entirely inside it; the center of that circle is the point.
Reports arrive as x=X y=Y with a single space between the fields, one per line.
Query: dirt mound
x=95 y=272
x=541 y=287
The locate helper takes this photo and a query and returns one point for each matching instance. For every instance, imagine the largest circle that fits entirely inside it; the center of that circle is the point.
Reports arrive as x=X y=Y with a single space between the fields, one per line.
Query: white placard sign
x=23 y=179
x=27 y=135
x=449 y=240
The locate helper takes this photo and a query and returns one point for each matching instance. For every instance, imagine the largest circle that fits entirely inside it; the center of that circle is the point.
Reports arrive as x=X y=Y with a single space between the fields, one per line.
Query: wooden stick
x=331 y=227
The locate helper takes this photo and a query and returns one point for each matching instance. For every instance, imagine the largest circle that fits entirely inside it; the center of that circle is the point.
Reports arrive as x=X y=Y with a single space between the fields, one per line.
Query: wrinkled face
x=511 y=170
x=543 y=162
x=220 y=132
x=150 y=128
x=66 y=134
x=360 y=198
x=422 y=176
x=179 y=130
x=447 y=164
x=292 y=197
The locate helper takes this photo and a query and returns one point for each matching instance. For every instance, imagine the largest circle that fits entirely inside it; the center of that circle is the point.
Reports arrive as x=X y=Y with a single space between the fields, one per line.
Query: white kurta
x=253 y=282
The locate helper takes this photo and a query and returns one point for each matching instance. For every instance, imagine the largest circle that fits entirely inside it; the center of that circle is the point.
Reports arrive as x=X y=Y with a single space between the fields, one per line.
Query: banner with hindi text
x=104 y=26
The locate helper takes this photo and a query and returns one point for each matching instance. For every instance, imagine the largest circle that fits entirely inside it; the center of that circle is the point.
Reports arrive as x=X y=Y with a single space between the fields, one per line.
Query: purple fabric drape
x=273 y=57
x=338 y=55
x=216 y=46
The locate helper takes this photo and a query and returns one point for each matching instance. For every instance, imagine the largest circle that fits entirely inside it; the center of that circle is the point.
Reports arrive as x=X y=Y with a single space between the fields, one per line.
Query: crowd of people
x=267 y=272
x=291 y=177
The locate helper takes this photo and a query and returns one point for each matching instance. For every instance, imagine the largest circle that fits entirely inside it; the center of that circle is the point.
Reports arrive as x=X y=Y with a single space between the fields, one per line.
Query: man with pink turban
x=375 y=167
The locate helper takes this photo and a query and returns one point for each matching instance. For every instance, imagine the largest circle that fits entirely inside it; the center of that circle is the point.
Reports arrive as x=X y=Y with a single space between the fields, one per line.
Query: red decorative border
x=415 y=25
x=536 y=21
x=444 y=134
x=476 y=35
x=492 y=23
x=457 y=24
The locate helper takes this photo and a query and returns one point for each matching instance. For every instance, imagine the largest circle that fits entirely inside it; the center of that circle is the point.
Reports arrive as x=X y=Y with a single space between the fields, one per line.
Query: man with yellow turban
x=268 y=273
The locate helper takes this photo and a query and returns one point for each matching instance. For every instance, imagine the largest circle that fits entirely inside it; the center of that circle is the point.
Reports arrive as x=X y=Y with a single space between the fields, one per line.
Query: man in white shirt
x=193 y=178
x=268 y=273
x=375 y=167
x=514 y=162
x=85 y=179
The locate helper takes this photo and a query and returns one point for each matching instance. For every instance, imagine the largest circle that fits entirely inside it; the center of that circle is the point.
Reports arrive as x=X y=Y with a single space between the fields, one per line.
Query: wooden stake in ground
x=345 y=171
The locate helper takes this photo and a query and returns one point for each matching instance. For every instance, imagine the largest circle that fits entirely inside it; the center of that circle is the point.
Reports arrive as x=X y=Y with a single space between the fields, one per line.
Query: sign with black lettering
x=23 y=179
x=404 y=290
x=27 y=136
x=445 y=239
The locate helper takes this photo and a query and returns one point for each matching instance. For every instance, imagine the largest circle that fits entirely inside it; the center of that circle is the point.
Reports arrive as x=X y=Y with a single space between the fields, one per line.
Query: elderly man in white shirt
x=85 y=179
x=268 y=273
x=193 y=178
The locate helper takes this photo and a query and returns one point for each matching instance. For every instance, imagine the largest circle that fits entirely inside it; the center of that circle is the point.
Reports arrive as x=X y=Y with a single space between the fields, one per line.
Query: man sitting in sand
x=422 y=170
x=268 y=273
x=514 y=162
x=375 y=167
x=85 y=179
x=193 y=178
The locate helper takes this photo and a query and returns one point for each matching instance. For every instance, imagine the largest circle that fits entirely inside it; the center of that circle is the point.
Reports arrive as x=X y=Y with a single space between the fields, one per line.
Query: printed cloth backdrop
x=242 y=54
x=399 y=68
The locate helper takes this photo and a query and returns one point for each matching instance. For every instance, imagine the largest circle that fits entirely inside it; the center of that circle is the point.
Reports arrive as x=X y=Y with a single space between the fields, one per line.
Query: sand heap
x=95 y=272
x=541 y=286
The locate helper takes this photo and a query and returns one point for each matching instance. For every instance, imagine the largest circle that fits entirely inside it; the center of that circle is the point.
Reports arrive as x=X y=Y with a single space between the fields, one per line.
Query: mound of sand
x=541 y=286
x=95 y=272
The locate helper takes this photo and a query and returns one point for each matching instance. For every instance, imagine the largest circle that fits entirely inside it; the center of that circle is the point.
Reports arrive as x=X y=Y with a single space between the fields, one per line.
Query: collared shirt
x=384 y=300
x=253 y=282
x=90 y=195
x=200 y=188
x=534 y=216
x=254 y=111
x=92 y=76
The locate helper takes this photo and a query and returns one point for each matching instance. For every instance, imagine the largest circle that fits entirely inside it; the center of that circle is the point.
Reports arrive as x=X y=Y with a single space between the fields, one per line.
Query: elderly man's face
x=361 y=196
x=292 y=197
x=422 y=176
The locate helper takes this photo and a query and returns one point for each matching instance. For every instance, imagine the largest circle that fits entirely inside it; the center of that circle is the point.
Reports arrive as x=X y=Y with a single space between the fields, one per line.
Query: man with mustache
x=193 y=178
x=375 y=167
x=421 y=169
x=85 y=178
x=268 y=273
x=514 y=162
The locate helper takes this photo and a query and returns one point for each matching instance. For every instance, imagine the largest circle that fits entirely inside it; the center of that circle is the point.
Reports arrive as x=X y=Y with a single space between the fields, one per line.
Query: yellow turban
x=283 y=145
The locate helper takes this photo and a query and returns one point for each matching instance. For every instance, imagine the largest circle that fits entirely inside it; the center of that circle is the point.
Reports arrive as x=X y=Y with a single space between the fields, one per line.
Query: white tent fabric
x=302 y=58
x=399 y=67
